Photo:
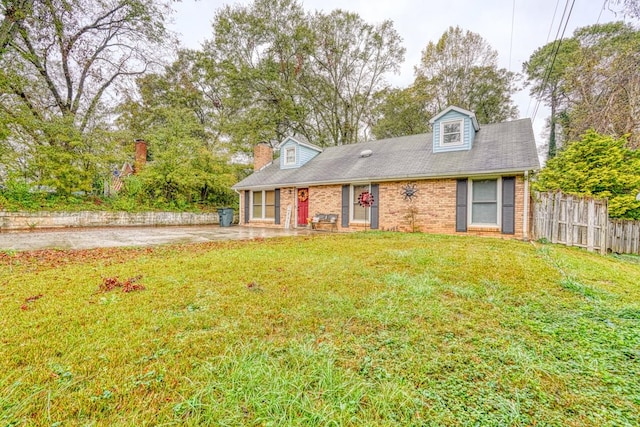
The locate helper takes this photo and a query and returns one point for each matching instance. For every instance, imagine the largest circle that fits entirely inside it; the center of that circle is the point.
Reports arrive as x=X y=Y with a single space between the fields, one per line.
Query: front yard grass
x=349 y=330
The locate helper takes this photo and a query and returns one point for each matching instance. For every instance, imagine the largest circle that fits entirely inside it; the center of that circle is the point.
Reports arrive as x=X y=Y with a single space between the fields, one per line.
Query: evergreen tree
x=599 y=166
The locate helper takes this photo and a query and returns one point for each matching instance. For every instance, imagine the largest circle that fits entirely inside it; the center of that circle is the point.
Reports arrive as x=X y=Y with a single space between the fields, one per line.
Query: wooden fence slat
x=603 y=220
x=583 y=222
x=570 y=220
x=591 y=219
x=555 y=219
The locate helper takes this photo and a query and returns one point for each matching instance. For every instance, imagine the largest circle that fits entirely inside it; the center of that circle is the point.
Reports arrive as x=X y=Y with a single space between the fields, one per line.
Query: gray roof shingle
x=498 y=148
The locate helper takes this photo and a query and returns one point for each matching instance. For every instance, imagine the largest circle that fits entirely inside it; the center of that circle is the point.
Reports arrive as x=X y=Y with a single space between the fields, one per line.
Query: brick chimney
x=141 y=155
x=262 y=155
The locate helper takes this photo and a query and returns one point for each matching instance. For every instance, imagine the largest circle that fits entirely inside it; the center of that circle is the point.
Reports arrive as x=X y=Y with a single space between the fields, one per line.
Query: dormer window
x=451 y=132
x=290 y=156
x=294 y=153
x=454 y=129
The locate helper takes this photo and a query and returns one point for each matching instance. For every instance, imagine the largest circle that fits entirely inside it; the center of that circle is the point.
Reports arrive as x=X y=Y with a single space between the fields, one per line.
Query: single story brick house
x=460 y=179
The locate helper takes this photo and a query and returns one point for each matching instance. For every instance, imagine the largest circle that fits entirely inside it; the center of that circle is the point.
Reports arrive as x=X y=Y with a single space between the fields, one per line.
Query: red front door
x=303 y=206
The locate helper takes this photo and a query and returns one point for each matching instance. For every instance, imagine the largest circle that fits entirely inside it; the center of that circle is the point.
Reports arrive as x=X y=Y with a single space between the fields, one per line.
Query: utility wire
x=555 y=54
x=553 y=20
x=547 y=73
x=604 y=4
x=513 y=14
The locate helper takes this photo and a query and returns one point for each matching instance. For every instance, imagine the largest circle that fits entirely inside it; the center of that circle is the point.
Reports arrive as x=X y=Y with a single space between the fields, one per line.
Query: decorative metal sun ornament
x=409 y=191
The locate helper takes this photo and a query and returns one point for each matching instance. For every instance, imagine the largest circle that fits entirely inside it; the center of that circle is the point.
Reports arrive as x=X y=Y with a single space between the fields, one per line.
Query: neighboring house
x=459 y=179
x=118 y=176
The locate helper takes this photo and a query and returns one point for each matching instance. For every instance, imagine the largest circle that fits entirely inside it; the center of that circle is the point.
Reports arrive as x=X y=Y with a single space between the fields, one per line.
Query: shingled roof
x=500 y=148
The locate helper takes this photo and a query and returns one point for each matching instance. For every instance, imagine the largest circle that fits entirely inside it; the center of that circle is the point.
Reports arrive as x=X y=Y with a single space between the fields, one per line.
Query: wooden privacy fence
x=583 y=222
x=624 y=236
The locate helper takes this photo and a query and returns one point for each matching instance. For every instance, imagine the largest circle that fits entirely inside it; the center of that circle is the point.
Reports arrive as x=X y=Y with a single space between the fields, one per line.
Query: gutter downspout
x=525 y=219
x=240 y=216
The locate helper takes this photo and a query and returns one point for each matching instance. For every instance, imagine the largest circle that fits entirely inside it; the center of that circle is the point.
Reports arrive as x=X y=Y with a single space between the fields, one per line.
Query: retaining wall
x=36 y=220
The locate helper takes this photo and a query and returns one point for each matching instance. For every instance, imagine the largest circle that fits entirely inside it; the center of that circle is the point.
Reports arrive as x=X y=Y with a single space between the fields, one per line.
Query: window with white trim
x=263 y=204
x=484 y=201
x=451 y=132
x=359 y=213
x=290 y=156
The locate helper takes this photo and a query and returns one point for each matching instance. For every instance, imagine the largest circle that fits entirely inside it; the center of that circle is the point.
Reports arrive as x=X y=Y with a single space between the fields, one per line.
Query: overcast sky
x=418 y=22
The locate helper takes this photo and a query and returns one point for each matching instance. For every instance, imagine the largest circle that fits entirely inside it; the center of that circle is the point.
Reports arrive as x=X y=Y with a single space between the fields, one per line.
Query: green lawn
x=344 y=330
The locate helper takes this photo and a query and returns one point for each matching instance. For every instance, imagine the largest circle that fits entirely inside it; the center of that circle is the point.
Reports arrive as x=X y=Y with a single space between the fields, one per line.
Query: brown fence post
x=591 y=224
x=603 y=220
x=555 y=219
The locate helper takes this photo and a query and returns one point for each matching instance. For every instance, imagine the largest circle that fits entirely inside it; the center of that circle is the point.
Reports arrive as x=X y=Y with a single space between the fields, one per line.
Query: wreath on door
x=303 y=195
x=365 y=199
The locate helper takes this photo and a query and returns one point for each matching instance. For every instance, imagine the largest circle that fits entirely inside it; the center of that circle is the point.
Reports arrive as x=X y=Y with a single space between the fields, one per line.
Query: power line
x=604 y=3
x=553 y=20
x=555 y=12
x=513 y=14
x=555 y=54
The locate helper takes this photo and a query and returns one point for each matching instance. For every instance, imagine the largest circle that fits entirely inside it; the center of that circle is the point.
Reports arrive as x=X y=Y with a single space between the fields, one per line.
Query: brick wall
x=431 y=211
x=434 y=207
x=262 y=155
x=39 y=220
x=287 y=198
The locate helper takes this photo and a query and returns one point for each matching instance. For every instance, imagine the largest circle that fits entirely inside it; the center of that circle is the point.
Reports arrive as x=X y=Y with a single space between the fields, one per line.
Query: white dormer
x=295 y=153
x=454 y=129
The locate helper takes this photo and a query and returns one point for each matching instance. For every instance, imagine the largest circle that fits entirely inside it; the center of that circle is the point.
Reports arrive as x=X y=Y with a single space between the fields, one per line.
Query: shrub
x=598 y=166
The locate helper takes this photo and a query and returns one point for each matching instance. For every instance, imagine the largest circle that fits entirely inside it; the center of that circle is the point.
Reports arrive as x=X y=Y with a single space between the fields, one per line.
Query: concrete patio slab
x=87 y=238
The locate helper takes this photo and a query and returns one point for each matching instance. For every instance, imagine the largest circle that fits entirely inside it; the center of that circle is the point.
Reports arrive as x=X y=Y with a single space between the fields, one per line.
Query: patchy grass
x=348 y=330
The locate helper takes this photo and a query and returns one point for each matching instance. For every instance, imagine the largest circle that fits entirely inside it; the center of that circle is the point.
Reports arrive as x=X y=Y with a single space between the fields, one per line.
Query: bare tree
x=63 y=62
x=462 y=69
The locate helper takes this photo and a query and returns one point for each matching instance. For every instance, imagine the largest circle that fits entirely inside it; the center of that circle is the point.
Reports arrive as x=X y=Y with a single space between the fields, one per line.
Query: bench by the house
x=331 y=219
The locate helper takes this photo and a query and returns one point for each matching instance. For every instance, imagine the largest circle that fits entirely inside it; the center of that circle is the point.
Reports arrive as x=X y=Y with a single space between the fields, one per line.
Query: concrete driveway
x=87 y=238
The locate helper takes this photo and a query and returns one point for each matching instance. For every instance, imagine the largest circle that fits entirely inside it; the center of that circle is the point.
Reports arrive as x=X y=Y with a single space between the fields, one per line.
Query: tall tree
x=179 y=119
x=600 y=166
x=64 y=63
x=545 y=74
x=591 y=81
x=13 y=13
x=254 y=60
x=629 y=8
x=462 y=69
x=282 y=71
x=399 y=112
x=347 y=67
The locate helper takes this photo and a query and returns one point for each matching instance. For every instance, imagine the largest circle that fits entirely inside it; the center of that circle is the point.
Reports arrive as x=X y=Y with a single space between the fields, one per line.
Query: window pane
x=270 y=211
x=257 y=197
x=257 y=204
x=357 y=190
x=485 y=191
x=360 y=213
x=270 y=197
x=451 y=138
x=290 y=156
x=484 y=209
x=451 y=132
x=484 y=213
x=452 y=127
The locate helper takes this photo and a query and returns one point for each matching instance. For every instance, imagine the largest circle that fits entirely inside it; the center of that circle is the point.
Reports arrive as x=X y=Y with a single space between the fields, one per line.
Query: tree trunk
x=552 y=130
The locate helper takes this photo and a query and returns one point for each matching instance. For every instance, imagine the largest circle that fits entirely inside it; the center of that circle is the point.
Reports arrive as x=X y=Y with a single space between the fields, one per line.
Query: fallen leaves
x=129 y=285
x=28 y=302
x=57 y=257
x=254 y=287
